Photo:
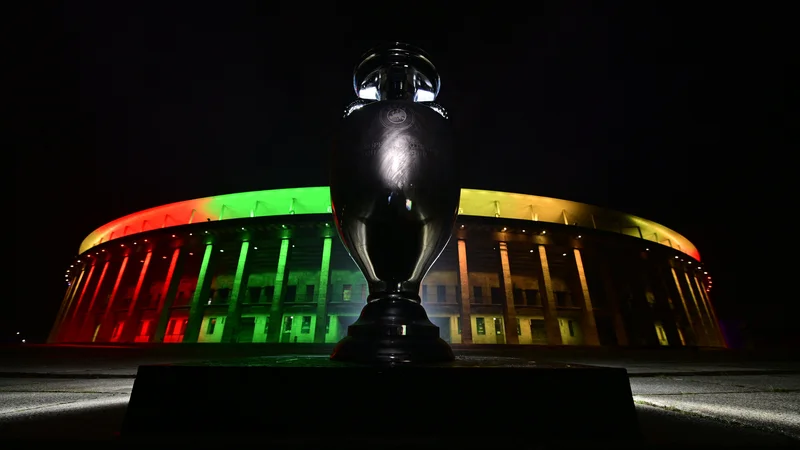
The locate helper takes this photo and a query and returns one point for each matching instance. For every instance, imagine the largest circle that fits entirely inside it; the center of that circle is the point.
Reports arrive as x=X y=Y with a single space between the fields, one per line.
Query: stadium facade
x=267 y=266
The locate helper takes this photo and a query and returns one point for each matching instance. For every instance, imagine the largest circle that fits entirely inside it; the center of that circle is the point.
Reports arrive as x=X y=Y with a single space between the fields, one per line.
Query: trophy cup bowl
x=395 y=196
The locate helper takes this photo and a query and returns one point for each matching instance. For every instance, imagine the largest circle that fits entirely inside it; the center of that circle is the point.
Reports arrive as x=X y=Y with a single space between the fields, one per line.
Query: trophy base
x=393 y=330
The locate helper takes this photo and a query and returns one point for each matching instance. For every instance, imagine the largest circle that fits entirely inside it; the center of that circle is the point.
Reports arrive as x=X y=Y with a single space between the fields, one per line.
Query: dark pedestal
x=286 y=402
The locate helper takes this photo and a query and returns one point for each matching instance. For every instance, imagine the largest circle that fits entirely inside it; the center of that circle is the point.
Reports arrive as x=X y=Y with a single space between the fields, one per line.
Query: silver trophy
x=395 y=196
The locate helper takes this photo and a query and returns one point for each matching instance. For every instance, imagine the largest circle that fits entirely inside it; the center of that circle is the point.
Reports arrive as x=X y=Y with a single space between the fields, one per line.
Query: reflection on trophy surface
x=395 y=197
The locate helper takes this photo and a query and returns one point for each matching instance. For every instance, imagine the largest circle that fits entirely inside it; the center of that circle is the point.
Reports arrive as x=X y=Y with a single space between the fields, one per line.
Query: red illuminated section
x=316 y=200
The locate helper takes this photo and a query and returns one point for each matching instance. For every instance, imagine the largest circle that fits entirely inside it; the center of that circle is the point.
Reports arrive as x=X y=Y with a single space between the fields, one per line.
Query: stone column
x=711 y=313
x=231 y=330
x=86 y=326
x=107 y=322
x=63 y=326
x=73 y=329
x=130 y=327
x=200 y=297
x=696 y=335
x=548 y=299
x=62 y=311
x=509 y=310
x=168 y=293
x=463 y=278
x=705 y=321
x=276 y=307
x=589 y=324
x=322 y=292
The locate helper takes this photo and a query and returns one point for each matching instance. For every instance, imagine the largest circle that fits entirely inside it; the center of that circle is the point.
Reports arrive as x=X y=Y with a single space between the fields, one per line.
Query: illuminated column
x=322 y=292
x=276 y=307
x=87 y=319
x=129 y=328
x=683 y=302
x=199 y=298
x=548 y=299
x=463 y=277
x=703 y=319
x=510 y=312
x=51 y=338
x=589 y=325
x=63 y=324
x=231 y=330
x=170 y=289
x=107 y=322
x=72 y=328
x=713 y=313
x=703 y=296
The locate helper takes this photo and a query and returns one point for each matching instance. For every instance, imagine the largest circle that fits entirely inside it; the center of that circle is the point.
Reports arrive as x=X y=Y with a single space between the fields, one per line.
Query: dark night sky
x=668 y=113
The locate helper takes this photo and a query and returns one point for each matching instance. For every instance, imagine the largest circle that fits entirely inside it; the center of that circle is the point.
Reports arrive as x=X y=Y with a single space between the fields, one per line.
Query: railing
x=173 y=338
x=434 y=299
x=563 y=299
x=527 y=297
x=301 y=298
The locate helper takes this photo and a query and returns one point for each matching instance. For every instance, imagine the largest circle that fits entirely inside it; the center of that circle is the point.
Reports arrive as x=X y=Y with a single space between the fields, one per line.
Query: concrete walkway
x=767 y=402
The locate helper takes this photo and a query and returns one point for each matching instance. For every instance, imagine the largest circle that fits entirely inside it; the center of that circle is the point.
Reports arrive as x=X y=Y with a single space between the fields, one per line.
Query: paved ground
x=766 y=402
x=47 y=408
x=687 y=398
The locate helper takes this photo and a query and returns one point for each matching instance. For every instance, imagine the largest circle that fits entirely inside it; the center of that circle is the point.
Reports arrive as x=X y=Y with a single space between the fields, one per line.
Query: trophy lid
x=396 y=71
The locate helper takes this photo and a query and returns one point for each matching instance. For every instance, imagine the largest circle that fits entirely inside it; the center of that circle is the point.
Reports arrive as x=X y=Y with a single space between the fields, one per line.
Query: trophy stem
x=393 y=330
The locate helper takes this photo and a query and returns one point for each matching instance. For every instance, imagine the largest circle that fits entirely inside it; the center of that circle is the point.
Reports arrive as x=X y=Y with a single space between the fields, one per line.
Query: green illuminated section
x=279 y=202
x=322 y=296
x=325 y=267
x=192 y=329
x=234 y=307
x=281 y=271
x=203 y=272
x=316 y=200
x=237 y=280
x=275 y=316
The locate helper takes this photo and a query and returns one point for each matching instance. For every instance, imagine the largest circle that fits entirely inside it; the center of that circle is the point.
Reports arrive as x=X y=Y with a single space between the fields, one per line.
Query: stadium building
x=268 y=266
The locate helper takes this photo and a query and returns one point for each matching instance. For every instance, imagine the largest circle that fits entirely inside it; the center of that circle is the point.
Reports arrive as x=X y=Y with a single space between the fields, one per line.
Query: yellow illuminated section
x=317 y=200
x=552 y=210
